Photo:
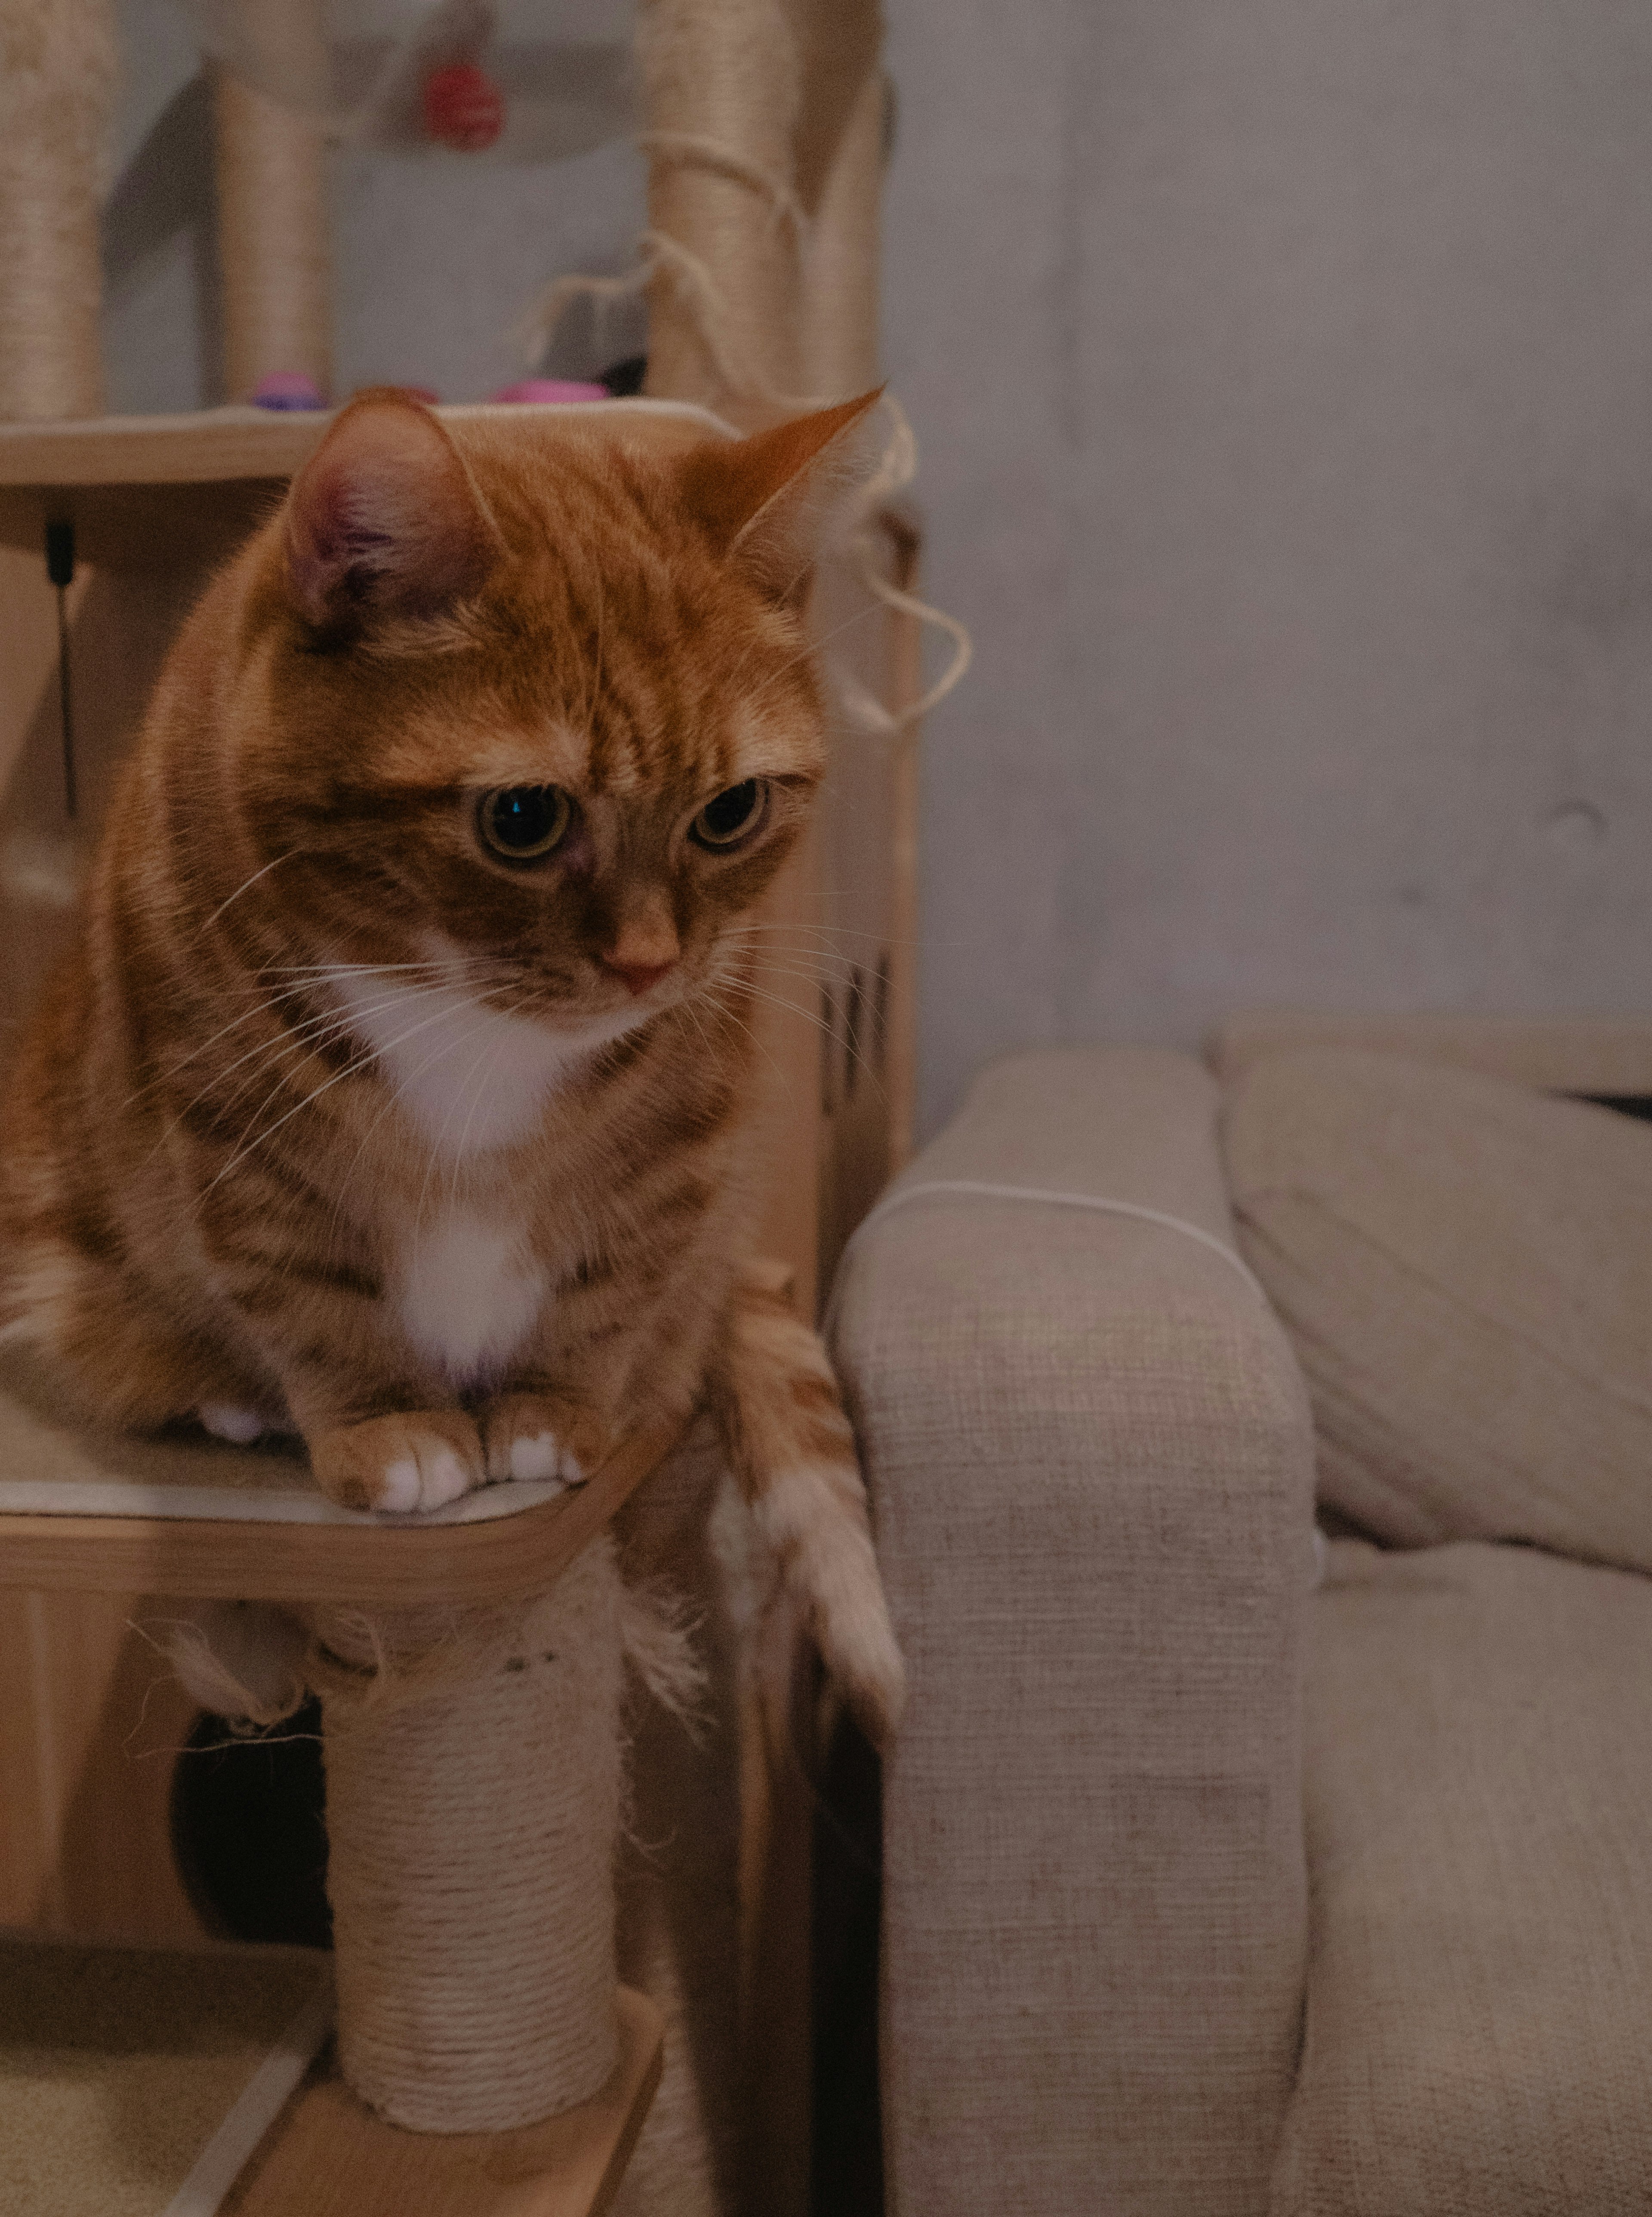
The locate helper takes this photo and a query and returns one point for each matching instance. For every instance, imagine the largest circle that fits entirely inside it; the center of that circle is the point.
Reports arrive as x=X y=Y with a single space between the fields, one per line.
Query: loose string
x=691 y=149
x=660 y=256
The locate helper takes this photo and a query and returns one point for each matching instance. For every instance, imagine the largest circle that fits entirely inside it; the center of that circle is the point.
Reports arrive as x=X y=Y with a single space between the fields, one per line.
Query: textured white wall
x=1285 y=379
x=1284 y=374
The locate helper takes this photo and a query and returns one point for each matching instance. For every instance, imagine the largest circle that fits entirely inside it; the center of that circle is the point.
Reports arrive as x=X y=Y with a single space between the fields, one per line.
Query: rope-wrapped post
x=56 y=95
x=272 y=213
x=842 y=132
x=722 y=90
x=473 y=1802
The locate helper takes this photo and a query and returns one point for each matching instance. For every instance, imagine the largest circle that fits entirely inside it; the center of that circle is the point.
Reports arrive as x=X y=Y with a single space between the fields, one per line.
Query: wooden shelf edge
x=387 y=1565
x=219 y=445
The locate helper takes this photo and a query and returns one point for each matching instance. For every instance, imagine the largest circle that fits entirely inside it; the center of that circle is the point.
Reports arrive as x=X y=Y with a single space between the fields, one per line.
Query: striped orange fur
x=399 y=1089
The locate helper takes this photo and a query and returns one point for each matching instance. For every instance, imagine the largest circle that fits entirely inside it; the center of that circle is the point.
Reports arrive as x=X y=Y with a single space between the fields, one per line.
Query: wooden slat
x=327 y=2156
x=382 y=1565
x=90 y=1717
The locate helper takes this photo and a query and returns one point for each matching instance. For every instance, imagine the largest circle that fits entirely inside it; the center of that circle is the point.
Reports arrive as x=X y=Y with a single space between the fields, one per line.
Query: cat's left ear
x=763 y=501
x=384 y=519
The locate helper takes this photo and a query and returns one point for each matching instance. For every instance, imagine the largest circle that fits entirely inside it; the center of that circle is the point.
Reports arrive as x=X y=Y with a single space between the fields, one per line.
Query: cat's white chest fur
x=468 y=1297
x=468 y=1077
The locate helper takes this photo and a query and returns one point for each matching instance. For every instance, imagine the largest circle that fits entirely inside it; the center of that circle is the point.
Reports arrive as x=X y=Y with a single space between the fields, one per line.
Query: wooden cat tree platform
x=91 y=1530
x=326 y=2155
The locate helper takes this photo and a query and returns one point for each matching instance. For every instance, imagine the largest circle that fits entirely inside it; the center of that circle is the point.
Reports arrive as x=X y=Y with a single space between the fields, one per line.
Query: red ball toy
x=463 y=107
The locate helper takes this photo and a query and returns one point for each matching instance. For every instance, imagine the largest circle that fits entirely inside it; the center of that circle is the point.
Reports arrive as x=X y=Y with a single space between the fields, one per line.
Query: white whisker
x=713 y=1002
x=794 y=1008
x=161 y=1077
x=247 y=883
x=288 y=1041
x=349 y=1071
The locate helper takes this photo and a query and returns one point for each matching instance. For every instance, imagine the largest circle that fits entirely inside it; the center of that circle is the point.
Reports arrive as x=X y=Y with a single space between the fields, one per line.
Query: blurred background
x=1283 y=376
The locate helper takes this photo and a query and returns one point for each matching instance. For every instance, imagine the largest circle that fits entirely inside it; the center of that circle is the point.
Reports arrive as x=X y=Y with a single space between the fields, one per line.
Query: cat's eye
x=523 y=823
x=732 y=816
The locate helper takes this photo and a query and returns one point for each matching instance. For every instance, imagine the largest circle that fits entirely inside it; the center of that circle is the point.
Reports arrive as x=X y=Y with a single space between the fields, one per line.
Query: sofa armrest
x=1090 y=1460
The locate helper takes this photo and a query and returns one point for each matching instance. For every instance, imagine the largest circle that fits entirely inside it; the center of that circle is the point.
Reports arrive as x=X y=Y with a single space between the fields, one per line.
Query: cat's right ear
x=763 y=501
x=384 y=519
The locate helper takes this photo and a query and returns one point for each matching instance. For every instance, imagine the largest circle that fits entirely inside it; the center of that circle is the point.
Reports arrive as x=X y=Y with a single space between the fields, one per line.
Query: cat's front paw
x=228 y=1420
x=540 y=1435
x=420 y=1460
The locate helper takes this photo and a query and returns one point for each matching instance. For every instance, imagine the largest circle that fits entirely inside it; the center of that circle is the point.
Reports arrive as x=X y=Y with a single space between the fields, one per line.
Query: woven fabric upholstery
x=1466 y=1268
x=1479 y=2025
x=1089 y=1459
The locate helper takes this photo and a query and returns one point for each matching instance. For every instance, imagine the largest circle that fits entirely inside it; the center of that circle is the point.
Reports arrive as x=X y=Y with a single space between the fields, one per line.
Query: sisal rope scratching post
x=726 y=72
x=473 y=1804
x=272 y=212
x=841 y=144
x=57 y=91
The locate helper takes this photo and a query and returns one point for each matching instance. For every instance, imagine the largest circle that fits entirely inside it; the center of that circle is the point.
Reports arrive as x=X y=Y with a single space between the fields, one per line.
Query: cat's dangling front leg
x=794 y=1452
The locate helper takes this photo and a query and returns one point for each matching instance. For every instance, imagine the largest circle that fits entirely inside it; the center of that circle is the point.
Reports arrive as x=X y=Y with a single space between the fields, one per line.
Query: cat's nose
x=638 y=976
x=646 y=947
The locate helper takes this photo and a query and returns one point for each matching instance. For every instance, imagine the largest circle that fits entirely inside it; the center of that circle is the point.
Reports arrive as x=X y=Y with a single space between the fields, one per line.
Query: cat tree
x=479 y=2007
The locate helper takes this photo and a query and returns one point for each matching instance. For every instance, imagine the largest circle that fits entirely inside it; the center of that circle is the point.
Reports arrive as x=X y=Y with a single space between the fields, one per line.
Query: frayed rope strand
x=660 y=257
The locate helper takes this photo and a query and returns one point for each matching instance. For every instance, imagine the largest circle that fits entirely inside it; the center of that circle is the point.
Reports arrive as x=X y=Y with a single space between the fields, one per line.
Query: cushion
x=1465 y=1268
x=1478 y=2030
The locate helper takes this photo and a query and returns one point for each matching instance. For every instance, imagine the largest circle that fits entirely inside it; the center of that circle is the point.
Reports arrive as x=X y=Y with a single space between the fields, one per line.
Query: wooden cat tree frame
x=766 y=123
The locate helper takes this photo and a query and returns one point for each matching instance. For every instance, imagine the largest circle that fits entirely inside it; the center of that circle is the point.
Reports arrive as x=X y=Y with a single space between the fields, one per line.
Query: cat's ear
x=763 y=501
x=384 y=519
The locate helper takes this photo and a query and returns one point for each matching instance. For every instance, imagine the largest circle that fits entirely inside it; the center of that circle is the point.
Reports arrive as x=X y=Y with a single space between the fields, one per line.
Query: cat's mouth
x=608 y=1006
x=585 y=1030
x=435 y=1004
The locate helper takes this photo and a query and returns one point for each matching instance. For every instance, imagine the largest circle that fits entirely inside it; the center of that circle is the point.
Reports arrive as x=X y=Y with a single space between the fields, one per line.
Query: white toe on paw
x=399 y=1488
x=445 y=1478
x=569 y=1470
x=535 y=1458
x=225 y=1421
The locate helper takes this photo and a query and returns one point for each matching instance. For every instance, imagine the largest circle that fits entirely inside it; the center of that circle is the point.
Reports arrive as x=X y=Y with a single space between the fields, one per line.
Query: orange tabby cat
x=400 y=1088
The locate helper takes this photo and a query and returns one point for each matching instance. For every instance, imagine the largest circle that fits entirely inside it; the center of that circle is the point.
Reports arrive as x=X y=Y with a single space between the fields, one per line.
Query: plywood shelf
x=150 y=491
x=218 y=443
x=134 y=485
x=221 y=444
x=389 y=1565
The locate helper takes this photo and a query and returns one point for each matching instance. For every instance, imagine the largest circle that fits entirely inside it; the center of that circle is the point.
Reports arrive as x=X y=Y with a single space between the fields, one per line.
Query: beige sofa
x=1219 y=1878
